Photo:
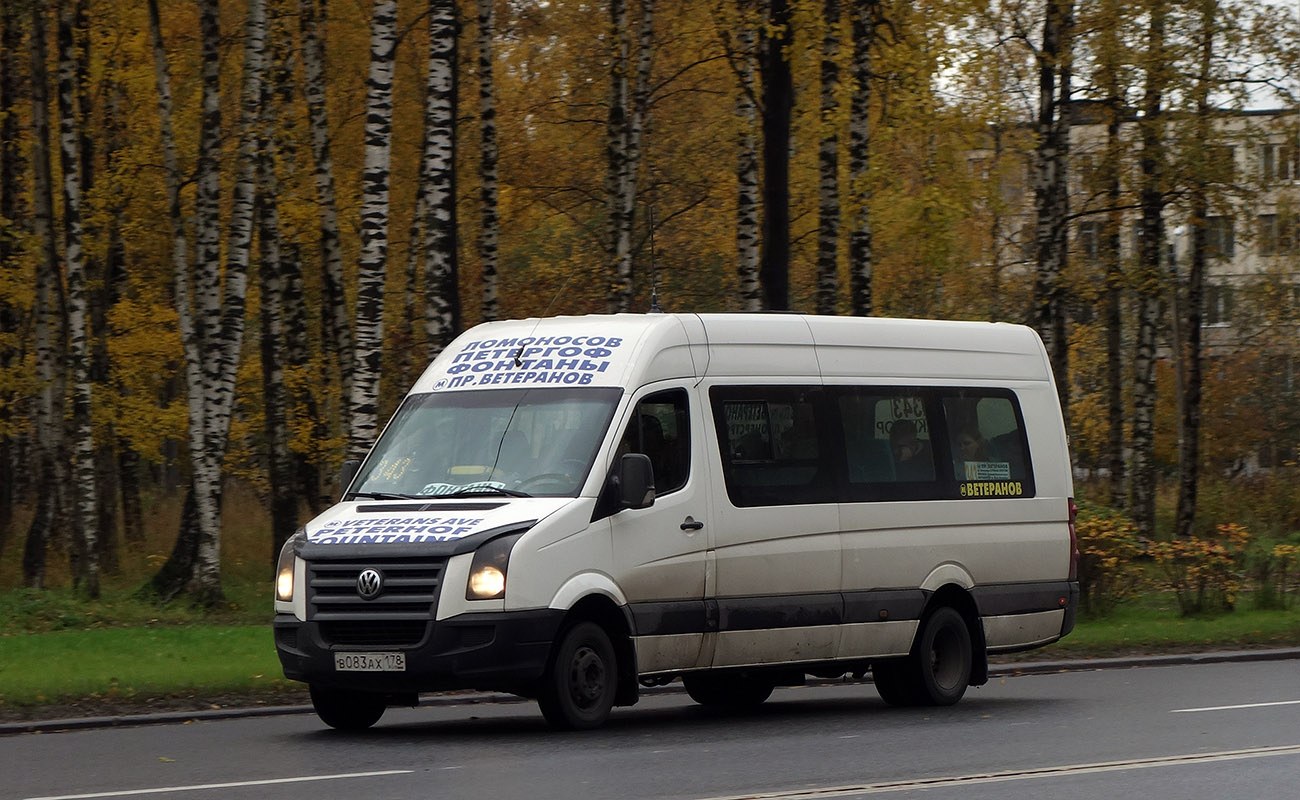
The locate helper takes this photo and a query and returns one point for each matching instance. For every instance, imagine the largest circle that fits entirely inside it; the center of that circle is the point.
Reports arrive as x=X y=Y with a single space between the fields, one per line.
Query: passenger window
x=660 y=428
x=989 y=453
x=887 y=437
x=770 y=439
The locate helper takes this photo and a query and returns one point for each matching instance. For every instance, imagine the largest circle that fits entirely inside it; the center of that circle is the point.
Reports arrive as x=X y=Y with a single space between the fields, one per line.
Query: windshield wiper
x=390 y=496
x=477 y=490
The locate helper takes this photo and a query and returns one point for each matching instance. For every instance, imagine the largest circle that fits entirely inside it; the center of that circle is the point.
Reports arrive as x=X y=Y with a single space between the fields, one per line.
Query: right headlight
x=487 y=572
x=284 y=570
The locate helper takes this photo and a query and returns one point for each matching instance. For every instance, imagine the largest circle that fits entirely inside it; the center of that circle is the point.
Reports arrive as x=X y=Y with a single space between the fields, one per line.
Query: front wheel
x=347 y=710
x=578 y=689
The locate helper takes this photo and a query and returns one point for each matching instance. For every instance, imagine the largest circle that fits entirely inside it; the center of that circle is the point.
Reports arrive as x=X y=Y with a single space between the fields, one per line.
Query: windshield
x=522 y=442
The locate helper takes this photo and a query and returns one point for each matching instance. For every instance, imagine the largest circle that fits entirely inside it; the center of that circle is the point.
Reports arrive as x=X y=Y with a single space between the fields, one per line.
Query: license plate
x=370 y=662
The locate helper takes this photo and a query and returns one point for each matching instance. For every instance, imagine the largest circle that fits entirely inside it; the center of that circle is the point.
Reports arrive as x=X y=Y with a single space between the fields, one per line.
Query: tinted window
x=771 y=442
x=990 y=456
x=660 y=428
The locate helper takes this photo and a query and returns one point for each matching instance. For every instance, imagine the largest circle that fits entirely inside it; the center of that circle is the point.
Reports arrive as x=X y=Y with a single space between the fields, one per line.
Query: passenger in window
x=912 y=460
x=970 y=449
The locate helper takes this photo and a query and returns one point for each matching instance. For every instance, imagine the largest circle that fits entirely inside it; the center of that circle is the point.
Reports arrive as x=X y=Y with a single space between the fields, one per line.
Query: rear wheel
x=347 y=710
x=578 y=689
x=944 y=658
x=938 y=669
x=730 y=692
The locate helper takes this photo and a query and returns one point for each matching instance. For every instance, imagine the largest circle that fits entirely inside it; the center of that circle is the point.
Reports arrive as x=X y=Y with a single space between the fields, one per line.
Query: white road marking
x=233 y=785
x=1016 y=775
x=1233 y=708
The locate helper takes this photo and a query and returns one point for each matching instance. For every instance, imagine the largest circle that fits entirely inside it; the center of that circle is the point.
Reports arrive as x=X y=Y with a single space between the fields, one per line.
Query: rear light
x=1074 y=541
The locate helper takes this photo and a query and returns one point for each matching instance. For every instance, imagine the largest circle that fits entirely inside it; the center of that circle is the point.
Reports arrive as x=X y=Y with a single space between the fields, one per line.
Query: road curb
x=473 y=698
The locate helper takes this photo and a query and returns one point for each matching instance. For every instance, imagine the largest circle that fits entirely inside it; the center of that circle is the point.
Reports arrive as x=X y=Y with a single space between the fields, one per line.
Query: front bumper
x=498 y=651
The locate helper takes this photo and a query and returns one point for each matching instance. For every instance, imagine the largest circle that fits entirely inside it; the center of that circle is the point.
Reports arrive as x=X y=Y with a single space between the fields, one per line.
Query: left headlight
x=284 y=570
x=487 y=572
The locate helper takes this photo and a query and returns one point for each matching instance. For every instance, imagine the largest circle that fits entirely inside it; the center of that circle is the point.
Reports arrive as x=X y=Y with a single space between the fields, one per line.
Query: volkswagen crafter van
x=571 y=508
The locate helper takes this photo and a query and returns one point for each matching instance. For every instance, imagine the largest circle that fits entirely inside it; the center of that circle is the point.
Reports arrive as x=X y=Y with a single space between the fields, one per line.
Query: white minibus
x=572 y=508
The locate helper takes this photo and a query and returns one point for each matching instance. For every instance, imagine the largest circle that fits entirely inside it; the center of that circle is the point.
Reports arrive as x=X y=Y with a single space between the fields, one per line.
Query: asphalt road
x=1228 y=730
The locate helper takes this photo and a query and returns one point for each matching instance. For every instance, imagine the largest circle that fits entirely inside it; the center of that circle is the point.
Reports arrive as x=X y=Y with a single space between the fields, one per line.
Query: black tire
x=895 y=680
x=943 y=657
x=347 y=710
x=938 y=670
x=578 y=689
x=727 y=692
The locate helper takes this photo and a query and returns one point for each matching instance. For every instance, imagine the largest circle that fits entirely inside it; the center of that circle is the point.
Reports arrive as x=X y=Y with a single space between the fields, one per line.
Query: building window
x=1220 y=238
x=1276 y=235
x=1277 y=162
x=1218 y=304
x=1088 y=239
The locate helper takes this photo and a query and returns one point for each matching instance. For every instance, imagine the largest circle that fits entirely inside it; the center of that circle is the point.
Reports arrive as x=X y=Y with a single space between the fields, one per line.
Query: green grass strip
x=126 y=662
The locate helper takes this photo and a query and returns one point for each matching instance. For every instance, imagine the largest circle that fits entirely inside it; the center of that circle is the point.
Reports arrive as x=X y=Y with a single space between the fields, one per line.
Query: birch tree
x=1191 y=358
x=1147 y=278
x=438 y=178
x=489 y=232
x=1109 y=60
x=828 y=152
x=272 y=280
x=215 y=331
x=629 y=94
x=10 y=191
x=49 y=316
x=747 y=196
x=1051 y=191
x=372 y=264
x=86 y=549
x=335 y=315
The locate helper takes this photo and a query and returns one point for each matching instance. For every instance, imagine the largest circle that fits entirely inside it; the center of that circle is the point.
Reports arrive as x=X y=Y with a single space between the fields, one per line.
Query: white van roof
x=637 y=349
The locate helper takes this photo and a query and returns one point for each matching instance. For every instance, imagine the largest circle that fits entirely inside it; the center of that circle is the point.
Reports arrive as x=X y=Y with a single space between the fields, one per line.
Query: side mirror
x=346 y=473
x=636 y=481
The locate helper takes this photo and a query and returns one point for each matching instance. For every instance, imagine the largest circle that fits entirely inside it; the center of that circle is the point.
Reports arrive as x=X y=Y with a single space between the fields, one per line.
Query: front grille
x=410 y=590
x=374 y=633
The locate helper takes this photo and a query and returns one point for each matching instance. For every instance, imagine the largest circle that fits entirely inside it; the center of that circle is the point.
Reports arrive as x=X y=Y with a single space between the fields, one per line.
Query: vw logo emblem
x=369 y=584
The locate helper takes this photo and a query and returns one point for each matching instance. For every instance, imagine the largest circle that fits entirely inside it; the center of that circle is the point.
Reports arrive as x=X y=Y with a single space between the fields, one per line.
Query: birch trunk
x=441 y=281
x=302 y=403
x=335 y=317
x=1189 y=422
x=49 y=314
x=1148 y=279
x=778 y=106
x=284 y=507
x=226 y=342
x=372 y=265
x=828 y=161
x=747 y=209
x=86 y=548
x=489 y=233
x=865 y=15
x=10 y=189
x=619 y=295
x=175 y=572
x=1051 y=193
x=638 y=114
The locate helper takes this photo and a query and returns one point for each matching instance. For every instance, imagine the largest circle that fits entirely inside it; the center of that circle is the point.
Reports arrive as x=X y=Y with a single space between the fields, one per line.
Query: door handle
x=691 y=525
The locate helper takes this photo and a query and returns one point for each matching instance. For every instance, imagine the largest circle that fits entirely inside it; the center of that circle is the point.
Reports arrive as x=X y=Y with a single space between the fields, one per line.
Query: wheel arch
x=616 y=620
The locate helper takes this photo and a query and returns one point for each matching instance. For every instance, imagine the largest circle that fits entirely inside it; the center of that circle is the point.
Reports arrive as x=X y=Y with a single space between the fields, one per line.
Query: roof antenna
x=654 y=280
x=519 y=362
